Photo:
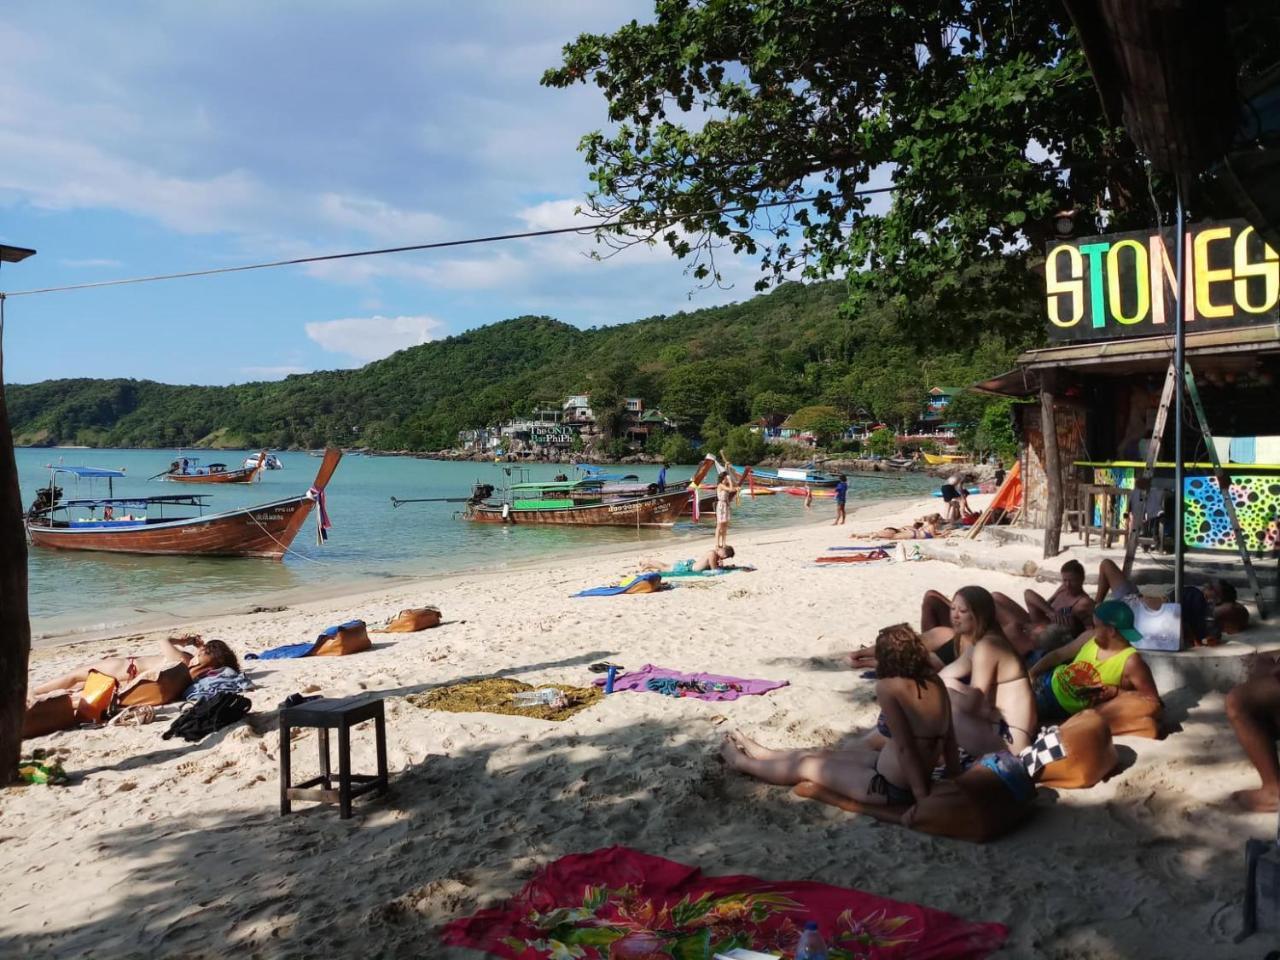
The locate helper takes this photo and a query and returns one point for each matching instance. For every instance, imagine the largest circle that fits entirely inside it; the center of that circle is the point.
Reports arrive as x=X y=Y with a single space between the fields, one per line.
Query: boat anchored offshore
x=189 y=470
x=269 y=461
x=148 y=524
x=587 y=503
x=788 y=477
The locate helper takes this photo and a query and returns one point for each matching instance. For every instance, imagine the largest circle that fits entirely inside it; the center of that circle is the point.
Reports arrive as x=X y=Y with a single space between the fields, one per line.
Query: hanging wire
x=668 y=220
x=664 y=220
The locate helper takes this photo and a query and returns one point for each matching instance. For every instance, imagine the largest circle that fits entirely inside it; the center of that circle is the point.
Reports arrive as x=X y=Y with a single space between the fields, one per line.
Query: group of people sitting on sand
x=984 y=674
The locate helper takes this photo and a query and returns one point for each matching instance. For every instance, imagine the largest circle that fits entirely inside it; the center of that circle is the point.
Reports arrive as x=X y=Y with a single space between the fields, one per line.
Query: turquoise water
x=370 y=541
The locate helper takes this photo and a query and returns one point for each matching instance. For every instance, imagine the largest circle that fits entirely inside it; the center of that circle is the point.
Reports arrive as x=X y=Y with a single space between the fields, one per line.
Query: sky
x=140 y=137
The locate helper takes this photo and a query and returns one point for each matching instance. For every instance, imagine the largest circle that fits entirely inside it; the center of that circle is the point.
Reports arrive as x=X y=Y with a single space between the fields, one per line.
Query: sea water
x=371 y=542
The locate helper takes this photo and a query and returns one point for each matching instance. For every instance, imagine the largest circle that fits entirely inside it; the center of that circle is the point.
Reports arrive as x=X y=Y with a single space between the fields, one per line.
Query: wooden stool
x=324 y=715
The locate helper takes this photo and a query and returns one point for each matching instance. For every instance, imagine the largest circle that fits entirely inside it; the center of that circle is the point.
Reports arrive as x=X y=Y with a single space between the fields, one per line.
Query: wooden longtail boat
x=265 y=530
x=188 y=470
x=585 y=504
x=786 y=477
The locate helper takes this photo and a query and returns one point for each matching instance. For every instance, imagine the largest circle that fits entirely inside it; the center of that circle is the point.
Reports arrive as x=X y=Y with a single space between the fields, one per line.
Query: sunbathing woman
x=207 y=657
x=917 y=713
x=945 y=646
x=926 y=528
x=991 y=698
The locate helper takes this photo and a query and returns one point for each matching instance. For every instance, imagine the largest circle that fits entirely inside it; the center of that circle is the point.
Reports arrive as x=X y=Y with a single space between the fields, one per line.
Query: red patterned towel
x=618 y=902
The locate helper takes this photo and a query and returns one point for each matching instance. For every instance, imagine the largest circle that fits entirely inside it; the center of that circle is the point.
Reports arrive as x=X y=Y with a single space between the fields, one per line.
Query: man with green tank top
x=1092 y=669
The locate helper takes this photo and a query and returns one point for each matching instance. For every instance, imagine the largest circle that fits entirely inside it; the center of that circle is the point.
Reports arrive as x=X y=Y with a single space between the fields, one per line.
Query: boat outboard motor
x=43 y=501
x=481 y=491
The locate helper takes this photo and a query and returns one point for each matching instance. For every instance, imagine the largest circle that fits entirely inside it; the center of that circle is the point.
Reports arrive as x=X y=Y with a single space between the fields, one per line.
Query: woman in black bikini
x=916 y=712
x=205 y=658
x=940 y=638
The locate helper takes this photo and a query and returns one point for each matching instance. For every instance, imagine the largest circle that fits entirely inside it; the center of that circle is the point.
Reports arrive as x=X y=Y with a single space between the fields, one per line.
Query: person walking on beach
x=726 y=490
x=1253 y=709
x=842 y=491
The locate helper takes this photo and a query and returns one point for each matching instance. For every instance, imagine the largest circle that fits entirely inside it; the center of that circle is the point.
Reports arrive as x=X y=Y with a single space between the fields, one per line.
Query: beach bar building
x=1095 y=393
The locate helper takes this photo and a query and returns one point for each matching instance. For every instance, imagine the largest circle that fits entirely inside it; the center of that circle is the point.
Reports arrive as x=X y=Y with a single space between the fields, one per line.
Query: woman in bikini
x=940 y=638
x=991 y=696
x=205 y=658
x=926 y=528
x=916 y=712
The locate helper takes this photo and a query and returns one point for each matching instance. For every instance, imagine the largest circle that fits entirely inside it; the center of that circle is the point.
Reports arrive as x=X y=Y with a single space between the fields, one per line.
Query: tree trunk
x=15 y=628
x=1053 y=472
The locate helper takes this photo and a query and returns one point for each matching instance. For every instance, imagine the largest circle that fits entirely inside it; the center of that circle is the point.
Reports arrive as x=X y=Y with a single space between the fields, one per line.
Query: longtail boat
x=147 y=524
x=787 y=477
x=189 y=470
x=585 y=503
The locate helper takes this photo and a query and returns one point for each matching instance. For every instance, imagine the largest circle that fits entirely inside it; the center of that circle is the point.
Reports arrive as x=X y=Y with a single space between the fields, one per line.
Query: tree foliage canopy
x=755 y=125
x=791 y=348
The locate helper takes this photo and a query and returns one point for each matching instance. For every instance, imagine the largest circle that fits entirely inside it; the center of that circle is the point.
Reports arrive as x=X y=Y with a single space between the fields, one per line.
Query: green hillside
x=774 y=353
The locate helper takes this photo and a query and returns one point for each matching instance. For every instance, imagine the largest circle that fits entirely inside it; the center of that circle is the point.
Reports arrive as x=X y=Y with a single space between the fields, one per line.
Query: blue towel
x=287 y=652
x=225 y=680
x=883 y=546
x=614 y=589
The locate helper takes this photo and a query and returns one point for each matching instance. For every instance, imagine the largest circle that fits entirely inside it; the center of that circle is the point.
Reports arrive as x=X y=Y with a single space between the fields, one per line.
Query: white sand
x=164 y=849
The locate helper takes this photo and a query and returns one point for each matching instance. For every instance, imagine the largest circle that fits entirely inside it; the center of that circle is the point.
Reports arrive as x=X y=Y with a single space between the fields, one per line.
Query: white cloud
x=92 y=262
x=371 y=338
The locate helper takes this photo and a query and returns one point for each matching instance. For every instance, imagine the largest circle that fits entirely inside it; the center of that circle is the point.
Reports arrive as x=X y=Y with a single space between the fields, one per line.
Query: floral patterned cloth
x=619 y=903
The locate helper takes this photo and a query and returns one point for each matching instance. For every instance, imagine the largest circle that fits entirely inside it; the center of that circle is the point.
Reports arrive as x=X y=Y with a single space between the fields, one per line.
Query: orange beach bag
x=96 y=697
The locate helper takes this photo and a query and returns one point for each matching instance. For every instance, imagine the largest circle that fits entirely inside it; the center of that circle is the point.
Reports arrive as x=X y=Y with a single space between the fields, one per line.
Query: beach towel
x=345 y=638
x=882 y=546
x=709 y=683
x=226 y=680
x=287 y=652
x=869 y=557
x=596 y=905
x=683 y=571
x=640 y=583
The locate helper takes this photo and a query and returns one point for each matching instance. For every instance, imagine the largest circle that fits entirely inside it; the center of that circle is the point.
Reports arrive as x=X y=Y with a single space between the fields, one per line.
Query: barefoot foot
x=1265 y=800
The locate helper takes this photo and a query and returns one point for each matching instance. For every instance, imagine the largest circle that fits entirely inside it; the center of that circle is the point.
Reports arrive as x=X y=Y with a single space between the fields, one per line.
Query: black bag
x=212 y=713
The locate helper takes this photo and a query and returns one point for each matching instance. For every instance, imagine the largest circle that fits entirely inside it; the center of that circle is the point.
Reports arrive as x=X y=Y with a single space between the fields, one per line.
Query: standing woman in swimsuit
x=991 y=696
x=205 y=658
x=726 y=490
x=916 y=712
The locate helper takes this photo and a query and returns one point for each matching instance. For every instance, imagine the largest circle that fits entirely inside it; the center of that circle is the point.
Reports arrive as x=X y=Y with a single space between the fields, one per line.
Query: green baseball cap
x=1116 y=614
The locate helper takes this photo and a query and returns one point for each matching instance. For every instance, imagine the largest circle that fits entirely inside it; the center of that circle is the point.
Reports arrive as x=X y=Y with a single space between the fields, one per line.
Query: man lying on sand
x=926 y=528
x=1253 y=707
x=917 y=714
x=1093 y=668
x=206 y=658
x=713 y=560
x=1069 y=606
x=1208 y=611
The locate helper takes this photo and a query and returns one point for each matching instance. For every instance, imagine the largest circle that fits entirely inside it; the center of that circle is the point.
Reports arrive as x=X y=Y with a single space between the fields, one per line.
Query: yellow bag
x=95 y=699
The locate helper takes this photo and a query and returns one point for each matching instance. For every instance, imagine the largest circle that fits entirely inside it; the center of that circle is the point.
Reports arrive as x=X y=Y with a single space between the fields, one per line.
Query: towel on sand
x=640 y=583
x=584 y=904
x=734 y=687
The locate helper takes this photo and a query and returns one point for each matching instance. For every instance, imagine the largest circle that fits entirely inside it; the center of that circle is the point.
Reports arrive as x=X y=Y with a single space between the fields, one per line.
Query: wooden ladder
x=1142 y=483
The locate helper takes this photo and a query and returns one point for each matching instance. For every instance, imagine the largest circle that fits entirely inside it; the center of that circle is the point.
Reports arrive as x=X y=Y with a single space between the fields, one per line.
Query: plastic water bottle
x=811 y=946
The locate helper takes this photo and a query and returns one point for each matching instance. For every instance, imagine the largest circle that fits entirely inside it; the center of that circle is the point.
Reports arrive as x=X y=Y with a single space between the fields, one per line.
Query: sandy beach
x=164 y=849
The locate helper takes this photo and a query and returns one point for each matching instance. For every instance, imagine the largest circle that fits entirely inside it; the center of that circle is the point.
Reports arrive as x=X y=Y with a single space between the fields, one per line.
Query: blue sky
x=140 y=138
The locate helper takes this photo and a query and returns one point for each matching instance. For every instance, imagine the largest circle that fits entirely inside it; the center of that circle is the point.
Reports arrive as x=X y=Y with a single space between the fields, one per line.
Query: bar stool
x=325 y=715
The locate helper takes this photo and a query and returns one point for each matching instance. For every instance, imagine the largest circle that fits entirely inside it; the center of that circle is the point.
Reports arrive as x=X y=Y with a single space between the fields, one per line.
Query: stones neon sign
x=1122 y=285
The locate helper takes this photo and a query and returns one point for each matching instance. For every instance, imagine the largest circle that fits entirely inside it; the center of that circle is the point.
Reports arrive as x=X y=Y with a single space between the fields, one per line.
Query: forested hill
x=783 y=350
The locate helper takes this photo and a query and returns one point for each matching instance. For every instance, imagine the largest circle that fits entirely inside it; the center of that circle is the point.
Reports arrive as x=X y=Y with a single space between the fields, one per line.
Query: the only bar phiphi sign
x=1122 y=285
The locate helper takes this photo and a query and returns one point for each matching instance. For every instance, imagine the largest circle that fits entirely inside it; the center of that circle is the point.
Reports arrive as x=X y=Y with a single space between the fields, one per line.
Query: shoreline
x=367 y=588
